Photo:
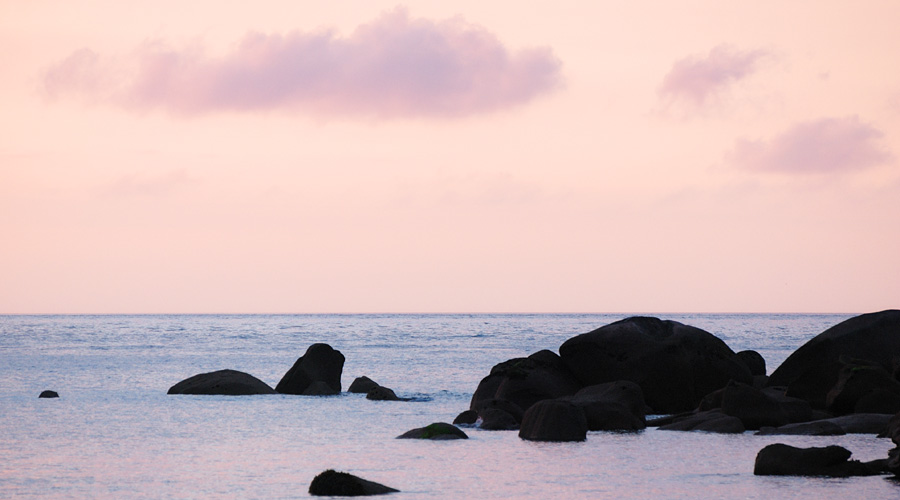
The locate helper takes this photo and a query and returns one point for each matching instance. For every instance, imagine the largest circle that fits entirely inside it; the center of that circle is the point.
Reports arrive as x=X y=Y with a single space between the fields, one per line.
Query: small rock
x=342 y=484
x=222 y=383
x=832 y=461
x=437 y=431
x=379 y=393
x=468 y=417
x=49 y=394
x=362 y=385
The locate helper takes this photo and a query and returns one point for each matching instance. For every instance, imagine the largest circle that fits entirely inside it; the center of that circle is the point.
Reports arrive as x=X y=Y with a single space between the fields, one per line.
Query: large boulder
x=813 y=369
x=321 y=363
x=833 y=461
x=554 y=420
x=614 y=406
x=674 y=364
x=222 y=382
x=341 y=484
x=525 y=381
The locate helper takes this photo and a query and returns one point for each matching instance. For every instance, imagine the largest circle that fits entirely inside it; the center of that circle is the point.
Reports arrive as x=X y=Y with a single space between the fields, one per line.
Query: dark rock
x=379 y=393
x=468 y=417
x=554 y=420
x=833 y=461
x=892 y=429
x=319 y=388
x=340 y=484
x=674 y=364
x=862 y=423
x=892 y=464
x=813 y=369
x=362 y=385
x=501 y=404
x=437 y=431
x=707 y=421
x=614 y=406
x=863 y=385
x=857 y=423
x=49 y=394
x=495 y=419
x=525 y=381
x=753 y=361
x=320 y=363
x=757 y=408
x=222 y=382
x=815 y=428
x=878 y=401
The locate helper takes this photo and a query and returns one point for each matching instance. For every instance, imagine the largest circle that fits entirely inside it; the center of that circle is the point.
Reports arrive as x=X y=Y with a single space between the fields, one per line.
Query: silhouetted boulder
x=857 y=423
x=319 y=388
x=48 y=394
x=340 y=484
x=813 y=369
x=757 y=408
x=814 y=428
x=863 y=386
x=438 y=431
x=500 y=404
x=525 y=381
x=379 y=393
x=222 y=382
x=468 y=417
x=321 y=363
x=554 y=420
x=833 y=461
x=614 y=406
x=362 y=385
x=495 y=419
x=753 y=361
x=674 y=364
x=707 y=421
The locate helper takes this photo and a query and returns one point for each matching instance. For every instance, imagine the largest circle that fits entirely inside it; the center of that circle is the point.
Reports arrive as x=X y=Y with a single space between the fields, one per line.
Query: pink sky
x=462 y=156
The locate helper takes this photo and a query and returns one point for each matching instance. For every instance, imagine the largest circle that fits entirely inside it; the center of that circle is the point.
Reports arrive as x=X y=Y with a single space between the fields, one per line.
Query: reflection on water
x=115 y=434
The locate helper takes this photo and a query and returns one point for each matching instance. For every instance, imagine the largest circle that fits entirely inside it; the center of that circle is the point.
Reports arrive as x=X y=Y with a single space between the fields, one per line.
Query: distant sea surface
x=114 y=433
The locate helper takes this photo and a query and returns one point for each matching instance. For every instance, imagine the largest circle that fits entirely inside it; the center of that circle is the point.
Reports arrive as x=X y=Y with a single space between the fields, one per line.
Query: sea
x=114 y=433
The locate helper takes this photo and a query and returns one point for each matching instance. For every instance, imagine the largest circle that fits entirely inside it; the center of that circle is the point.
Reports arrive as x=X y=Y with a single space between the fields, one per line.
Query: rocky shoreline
x=845 y=380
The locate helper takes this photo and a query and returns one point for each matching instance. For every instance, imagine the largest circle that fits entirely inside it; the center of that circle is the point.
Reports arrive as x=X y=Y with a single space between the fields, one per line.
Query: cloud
x=395 y=66
x=696 y=80
x=827 y=145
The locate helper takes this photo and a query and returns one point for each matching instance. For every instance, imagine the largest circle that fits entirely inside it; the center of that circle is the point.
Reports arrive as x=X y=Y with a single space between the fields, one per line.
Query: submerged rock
x=321 y=363
x=48 y=394
x=833 y=461
x=222 y=382
x=341 y=484
x=674 y=364
x=706 y=421
x=437 y=431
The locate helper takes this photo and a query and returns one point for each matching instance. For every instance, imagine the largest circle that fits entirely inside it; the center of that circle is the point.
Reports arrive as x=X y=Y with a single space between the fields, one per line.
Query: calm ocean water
x=114 y=433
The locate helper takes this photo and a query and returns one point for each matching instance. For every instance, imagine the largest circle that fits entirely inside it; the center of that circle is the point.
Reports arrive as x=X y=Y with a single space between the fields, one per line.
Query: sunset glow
x=449 y=157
